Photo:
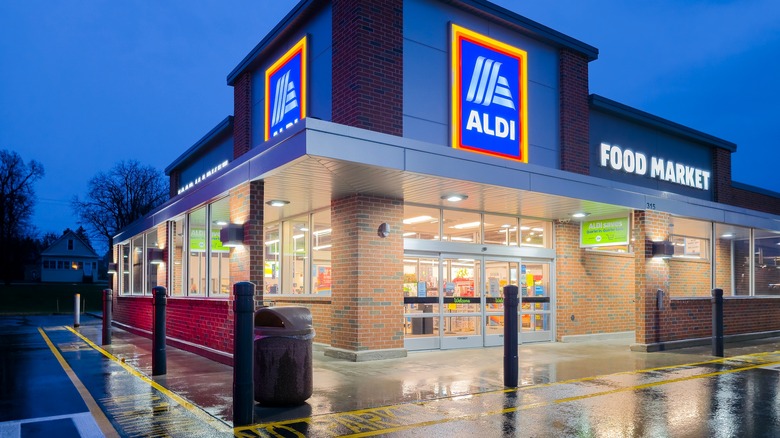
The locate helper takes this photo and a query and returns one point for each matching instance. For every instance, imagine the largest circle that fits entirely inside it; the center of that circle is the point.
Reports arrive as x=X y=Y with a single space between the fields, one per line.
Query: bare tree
x=17 y=200
x=118 y=197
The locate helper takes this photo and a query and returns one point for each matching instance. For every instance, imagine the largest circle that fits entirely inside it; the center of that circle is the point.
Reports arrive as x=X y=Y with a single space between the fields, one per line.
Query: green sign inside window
x=604 y=232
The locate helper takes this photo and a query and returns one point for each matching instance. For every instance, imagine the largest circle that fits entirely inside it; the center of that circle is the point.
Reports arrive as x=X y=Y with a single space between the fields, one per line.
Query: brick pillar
x=246 y=264
x=575 y=124
x=367 y=287
x=242 y=114
x=174 y=179
x=651 y=274
x=368 y=64
x=721 y=176
x=570 y=279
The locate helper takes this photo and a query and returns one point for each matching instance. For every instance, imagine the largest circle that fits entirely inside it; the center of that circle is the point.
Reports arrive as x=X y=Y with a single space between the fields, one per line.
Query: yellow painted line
x=200 y=413
x=368 y=414
x=100 y=418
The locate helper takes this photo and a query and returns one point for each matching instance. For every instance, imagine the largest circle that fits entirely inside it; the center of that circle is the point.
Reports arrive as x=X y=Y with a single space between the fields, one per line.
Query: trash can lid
x=291 y=320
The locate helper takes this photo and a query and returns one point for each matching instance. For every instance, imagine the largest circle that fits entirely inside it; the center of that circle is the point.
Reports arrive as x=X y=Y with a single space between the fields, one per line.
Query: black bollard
x=107 y=303
x=511 y=363
x=717 y=322
x=243 y=353
x=159 y=361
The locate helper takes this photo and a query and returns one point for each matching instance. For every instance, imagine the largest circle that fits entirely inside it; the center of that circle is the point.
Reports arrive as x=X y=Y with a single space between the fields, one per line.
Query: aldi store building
x=393 y=164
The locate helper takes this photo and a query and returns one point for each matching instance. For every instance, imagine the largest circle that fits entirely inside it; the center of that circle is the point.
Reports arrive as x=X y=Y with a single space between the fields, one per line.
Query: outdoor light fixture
x=664 y=249
x=277 y=202
x=155 y=256
x=580 y=214
x=455 y=197
x=112 y=268
x=232 y=235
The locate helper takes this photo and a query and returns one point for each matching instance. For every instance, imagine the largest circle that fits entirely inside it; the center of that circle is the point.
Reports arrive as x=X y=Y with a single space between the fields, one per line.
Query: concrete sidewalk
x=341 y=386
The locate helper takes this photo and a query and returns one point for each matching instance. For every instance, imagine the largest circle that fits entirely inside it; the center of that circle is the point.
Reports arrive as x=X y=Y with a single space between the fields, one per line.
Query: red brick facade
x=574 y=122
x=242 y=115
x=368 y=64
x=594 y=290
x=367 y=288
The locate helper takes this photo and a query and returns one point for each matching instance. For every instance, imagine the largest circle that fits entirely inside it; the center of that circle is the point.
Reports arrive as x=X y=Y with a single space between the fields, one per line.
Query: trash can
x=283 y=355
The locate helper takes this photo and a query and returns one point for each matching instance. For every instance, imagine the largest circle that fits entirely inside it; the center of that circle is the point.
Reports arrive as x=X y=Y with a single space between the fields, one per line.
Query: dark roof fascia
x=754 y=189
x=534 y=28
x=610 y=106
x=249 y=59
x=222 y=127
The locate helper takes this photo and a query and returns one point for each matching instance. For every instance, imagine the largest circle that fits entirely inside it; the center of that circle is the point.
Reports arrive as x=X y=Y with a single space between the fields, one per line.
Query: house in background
x=69 y=260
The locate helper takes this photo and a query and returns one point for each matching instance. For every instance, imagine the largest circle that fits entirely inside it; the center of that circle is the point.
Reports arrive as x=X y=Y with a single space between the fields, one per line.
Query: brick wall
x=723 y=266
x=321 y=313
x=574 y=121
x=367 y=288
x=133 y=311
x=368 y=64
x=242 y=114
x=725 y=193
x=689 y=278
x=174 y=179
x=203 y=321
x=596 y=288
x=692 y=318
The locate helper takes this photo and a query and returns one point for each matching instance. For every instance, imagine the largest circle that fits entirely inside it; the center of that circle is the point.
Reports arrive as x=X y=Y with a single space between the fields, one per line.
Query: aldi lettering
x=489 y=97
x=285 y=90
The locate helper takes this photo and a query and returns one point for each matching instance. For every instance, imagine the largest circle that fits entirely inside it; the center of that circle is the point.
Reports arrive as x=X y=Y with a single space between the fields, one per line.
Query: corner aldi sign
x=603 y=232
x=285 y=90
x=489 y=97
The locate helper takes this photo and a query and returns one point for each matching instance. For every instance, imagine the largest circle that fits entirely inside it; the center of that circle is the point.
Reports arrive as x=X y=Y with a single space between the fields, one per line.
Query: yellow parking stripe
x=200 y=413
x=100 y=418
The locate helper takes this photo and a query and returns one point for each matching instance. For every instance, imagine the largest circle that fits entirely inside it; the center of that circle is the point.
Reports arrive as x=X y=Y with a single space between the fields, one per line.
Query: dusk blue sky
x=86 y=84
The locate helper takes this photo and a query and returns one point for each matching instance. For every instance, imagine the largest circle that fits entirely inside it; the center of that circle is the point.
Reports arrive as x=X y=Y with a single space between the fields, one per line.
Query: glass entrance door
x=456 y=301
x=535 y=298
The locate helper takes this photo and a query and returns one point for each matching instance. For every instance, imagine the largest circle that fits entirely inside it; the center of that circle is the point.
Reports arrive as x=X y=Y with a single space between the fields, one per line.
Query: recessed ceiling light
x=417 y=220
x=454 y=197
x=727 y=235
x=580 y=214
x=277 y=203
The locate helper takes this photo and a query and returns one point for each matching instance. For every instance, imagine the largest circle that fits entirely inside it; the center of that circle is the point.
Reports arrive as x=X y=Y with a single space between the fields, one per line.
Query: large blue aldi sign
x=489 y=97
x=285 y=90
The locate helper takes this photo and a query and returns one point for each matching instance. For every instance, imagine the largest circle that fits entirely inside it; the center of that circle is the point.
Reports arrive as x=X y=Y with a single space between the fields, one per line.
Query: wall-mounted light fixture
x=664 y=249
x=112 y=268
x=155 y=256
x=383 y=230
x=232 y=235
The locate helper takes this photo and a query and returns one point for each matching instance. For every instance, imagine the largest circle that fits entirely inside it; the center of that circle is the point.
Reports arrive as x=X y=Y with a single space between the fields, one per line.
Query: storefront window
x=124 y=266
x=220 y=255
x=767 y=262
x=272 y=259
x=691 y=238
x=321 y=243
x=196 y=266
x=138 y=265
x=462 y=226
x=152 y=267
x=421 y=222
x=732 y=263
x=501 y=230
x=177 y=257
x=535 y=233
x=294 y=260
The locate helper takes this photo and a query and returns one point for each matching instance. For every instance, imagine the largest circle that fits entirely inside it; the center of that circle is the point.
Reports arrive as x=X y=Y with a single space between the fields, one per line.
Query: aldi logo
x=488 y=96
x=285 y=90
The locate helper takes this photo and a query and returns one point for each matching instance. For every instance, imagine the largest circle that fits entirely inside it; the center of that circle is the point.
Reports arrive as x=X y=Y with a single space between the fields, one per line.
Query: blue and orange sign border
x=300 y=48
x=458 y=35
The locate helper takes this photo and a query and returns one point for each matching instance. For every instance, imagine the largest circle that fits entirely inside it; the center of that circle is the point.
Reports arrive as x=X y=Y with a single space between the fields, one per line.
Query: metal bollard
x=243 y=353
x=76 y=310
x=107 y=316
x=159 y=361
x=717 y=322
x=511 y=363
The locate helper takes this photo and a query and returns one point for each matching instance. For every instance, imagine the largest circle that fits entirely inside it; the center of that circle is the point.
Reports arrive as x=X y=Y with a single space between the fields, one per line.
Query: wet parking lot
x=59 y=380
